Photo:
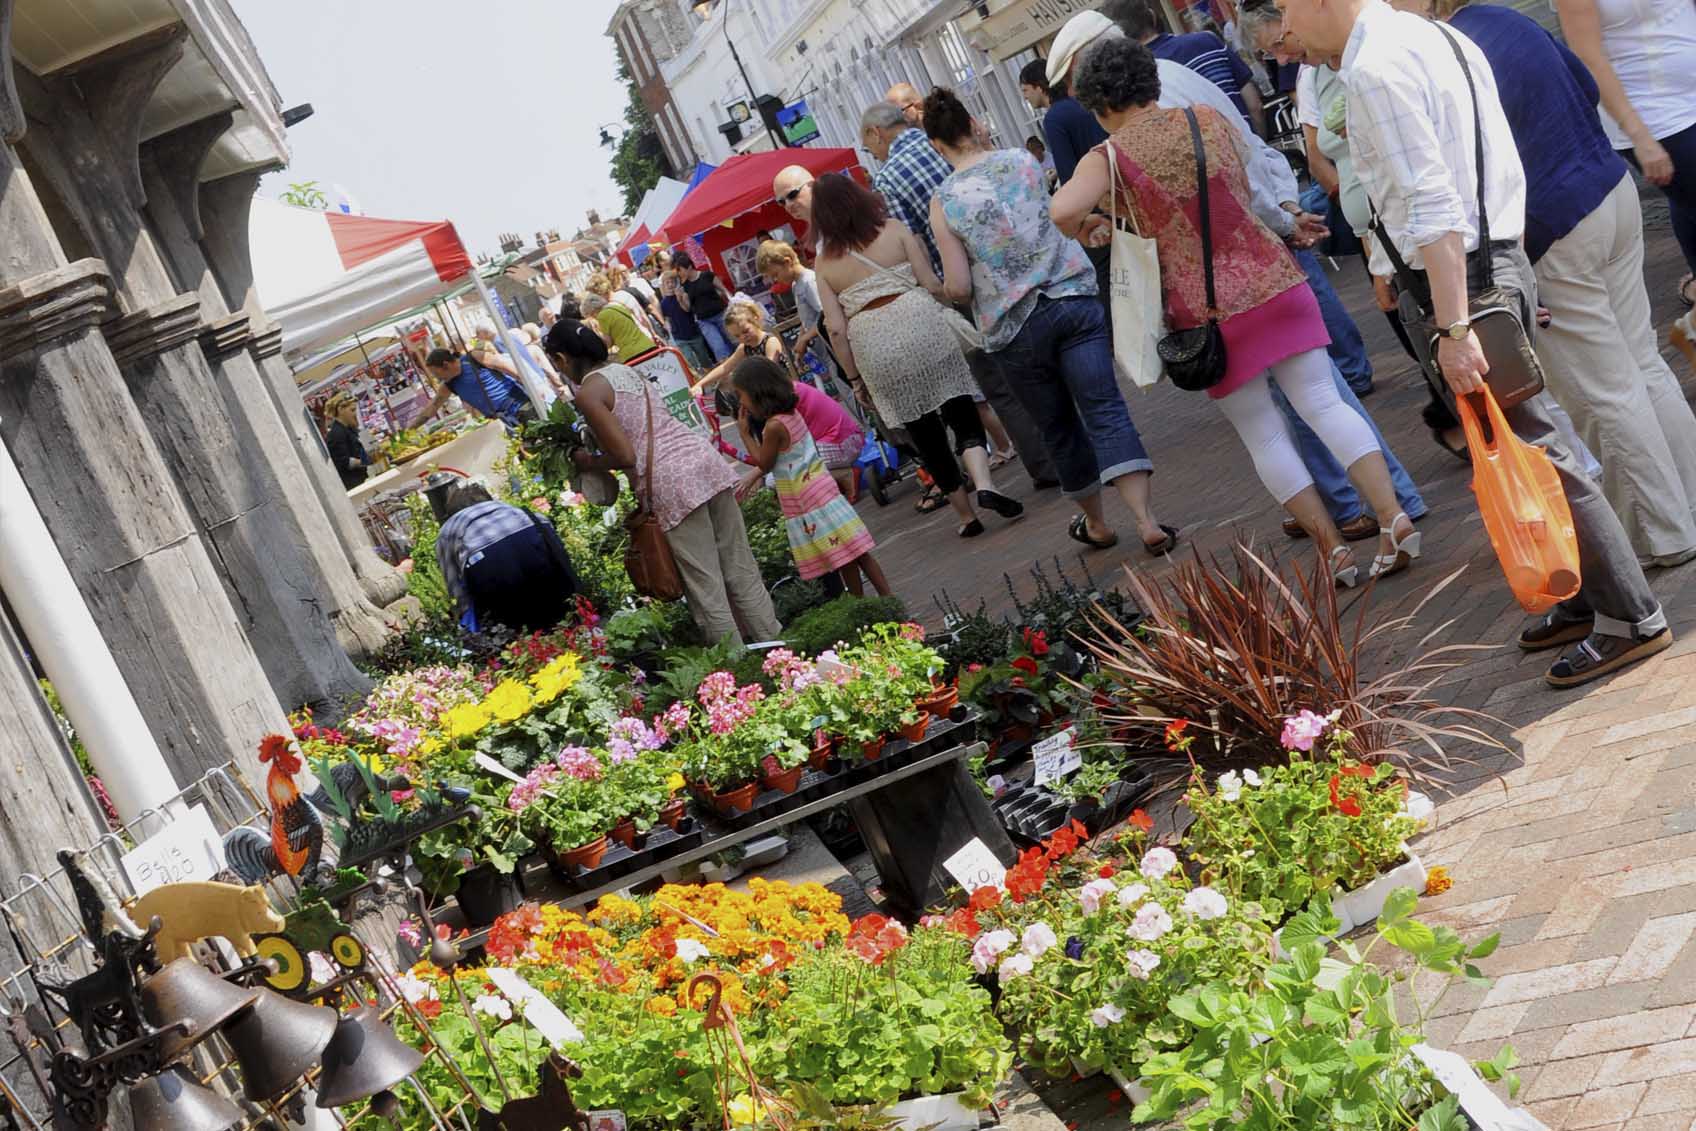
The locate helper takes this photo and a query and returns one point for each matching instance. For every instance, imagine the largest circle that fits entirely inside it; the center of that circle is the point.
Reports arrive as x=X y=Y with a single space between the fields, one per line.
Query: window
x=631 y=60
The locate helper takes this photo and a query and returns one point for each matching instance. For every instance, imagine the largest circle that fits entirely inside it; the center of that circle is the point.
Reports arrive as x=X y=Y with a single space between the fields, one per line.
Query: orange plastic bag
x=1524 y=508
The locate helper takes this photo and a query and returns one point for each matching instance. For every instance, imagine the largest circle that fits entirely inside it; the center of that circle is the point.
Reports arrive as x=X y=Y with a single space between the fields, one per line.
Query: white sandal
x=1402 y=550
x=1348 y=577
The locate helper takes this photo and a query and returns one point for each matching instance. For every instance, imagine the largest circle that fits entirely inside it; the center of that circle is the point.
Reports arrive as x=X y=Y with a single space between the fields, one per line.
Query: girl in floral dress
x=825 y=532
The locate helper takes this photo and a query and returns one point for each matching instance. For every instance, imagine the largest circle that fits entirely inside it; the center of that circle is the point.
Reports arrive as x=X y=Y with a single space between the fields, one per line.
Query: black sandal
x=1554 y=628
x=1078 y=531
x=1598 y=654
x=1165 y=546
x=931 y=500
x=971 y=529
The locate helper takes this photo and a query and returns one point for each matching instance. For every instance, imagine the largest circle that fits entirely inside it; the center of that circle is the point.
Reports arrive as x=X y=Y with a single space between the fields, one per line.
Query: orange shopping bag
x=1525 y=510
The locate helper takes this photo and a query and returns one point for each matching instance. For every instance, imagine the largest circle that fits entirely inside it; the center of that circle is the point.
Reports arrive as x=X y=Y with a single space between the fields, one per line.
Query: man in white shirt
x=1411 y=123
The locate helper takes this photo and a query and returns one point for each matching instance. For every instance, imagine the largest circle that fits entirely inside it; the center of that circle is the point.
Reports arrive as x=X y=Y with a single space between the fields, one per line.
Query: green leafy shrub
x=840 y=621
x=425 y=581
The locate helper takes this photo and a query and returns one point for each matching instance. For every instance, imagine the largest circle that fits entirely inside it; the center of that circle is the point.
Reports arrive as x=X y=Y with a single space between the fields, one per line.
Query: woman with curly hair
x=1266 y=312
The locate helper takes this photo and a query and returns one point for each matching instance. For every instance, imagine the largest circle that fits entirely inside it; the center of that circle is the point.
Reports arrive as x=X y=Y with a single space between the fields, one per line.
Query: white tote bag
x=1139 y=317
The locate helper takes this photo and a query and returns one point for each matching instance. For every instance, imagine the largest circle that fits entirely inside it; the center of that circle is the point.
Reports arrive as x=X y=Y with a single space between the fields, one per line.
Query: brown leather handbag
x=648 y=559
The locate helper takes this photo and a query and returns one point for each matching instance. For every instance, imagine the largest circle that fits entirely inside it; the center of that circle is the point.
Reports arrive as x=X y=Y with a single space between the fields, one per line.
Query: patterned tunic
x=825 y=532
x=907 y=350
x=687 y=471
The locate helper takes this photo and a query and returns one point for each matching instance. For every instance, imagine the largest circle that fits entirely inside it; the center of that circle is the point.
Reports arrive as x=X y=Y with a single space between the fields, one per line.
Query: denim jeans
x=696 y=353
x=1341 y=499
x=1060 y=366
x=718 y=339
x=1347 y=349
x=1681 y=192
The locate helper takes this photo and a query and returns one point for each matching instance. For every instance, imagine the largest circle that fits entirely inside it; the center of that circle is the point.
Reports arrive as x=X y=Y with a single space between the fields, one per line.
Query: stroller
x=887 y=456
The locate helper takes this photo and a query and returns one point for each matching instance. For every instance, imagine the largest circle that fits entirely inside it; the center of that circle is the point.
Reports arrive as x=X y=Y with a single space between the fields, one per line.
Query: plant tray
x=1484 y=1110
x=621 y=861
x=770 y=803
x=932 y=1113
x=1362 y=906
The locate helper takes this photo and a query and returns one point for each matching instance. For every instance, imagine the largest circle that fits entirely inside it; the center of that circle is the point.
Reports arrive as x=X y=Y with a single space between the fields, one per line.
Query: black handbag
x=1195 y=358
x=1496 y=315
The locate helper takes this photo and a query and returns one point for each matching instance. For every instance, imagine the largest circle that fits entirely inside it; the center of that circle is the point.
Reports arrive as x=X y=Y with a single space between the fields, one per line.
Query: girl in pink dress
x=1266 y=312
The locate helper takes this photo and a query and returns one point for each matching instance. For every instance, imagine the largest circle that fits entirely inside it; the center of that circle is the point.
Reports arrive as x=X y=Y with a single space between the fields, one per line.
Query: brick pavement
x=1578 y=844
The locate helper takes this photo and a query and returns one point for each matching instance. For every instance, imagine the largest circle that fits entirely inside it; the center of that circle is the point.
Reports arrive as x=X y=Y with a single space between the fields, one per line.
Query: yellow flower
x=675 y=782
x=557 y=677
x=1437 y=881
x=465 y=720
x=431 y=746
x=509 y=701
x=745 y=1110
x=663 y=1006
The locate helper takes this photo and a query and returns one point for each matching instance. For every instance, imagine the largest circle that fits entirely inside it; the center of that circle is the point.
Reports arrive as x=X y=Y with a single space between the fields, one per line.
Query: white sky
x=483 y=112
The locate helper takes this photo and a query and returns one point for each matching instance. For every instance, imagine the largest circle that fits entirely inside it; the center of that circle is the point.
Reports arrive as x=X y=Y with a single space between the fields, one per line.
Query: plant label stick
x=1056 y=756
x=496 y=768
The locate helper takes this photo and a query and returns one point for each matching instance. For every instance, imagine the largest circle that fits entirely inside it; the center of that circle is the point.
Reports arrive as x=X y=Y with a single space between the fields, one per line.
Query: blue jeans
x=1346 y=349
x=695 y=352
x=718 y=339
x=1340 y=498
x=1060 y=367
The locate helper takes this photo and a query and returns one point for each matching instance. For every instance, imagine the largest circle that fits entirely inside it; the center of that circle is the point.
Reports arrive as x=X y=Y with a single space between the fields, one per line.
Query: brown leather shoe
x=1359 y=529
x=1293 y=528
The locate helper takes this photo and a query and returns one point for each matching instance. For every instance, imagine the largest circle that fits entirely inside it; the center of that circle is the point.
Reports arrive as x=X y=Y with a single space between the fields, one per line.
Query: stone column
x=88 y=152
x=224 y=205
x=170 y=172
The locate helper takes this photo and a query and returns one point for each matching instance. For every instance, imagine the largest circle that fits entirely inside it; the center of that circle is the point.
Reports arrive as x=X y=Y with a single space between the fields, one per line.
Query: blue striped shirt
x=1207 y=55
x=908 y=180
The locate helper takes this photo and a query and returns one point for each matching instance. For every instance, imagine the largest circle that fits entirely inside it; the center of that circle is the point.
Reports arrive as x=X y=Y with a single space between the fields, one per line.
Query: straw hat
x=1080 y=31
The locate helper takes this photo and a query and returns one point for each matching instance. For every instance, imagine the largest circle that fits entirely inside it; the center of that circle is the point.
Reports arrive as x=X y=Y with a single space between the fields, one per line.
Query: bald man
x=793 y=188
x=911 y=103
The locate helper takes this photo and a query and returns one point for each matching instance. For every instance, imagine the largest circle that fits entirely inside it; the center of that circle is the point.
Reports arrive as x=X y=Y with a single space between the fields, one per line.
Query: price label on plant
x=494 y=767
x=975 y=866
x=541 y=1013
x=606 y=1121
x=1056 y=756
x=186 y=849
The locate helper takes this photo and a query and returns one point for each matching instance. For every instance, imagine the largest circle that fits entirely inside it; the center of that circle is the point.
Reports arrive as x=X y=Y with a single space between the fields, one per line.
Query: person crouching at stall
x=501 y=564
x=825 y=532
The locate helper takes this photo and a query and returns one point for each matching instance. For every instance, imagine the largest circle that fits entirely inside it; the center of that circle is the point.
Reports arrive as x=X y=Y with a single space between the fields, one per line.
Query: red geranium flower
x=1141 y=820
x=986 y=898
x=1347 y=806
x=1037 y=641
x=1025 y=664
x=1107 y=871
x=1175 y=732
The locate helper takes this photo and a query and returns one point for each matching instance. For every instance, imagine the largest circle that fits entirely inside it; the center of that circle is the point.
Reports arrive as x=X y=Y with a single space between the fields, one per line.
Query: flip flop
x=1078 y=531
x=1000 y=459
x=1165 y=546
x=1684 y=294
x=931 y=500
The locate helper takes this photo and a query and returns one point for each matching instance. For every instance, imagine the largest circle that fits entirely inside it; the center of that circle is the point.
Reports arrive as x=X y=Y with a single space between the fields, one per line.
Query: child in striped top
x=825 y=532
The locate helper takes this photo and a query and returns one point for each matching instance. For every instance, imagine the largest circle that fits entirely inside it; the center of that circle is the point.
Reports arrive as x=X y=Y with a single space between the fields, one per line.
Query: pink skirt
x=1257 y=339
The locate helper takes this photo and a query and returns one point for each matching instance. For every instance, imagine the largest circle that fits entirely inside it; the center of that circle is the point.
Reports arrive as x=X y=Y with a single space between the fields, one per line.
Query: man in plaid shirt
x=502 y=565
x=912 y=170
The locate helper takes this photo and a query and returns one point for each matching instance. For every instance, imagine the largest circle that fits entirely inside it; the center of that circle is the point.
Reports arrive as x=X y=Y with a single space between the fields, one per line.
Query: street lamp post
x=753 y=99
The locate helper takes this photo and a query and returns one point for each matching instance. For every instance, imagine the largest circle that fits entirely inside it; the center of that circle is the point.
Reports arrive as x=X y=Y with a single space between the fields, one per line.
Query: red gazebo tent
x=735 y=202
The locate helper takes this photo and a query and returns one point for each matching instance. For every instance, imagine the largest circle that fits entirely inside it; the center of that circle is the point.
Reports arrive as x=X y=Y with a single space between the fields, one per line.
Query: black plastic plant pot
x=1087 y=811
x=485 y=894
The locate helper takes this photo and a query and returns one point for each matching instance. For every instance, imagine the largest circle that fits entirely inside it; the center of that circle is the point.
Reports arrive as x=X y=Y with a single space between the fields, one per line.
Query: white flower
x=493 y=1005
x=1230 y=785
x=1039 y=936
x=1156 y=862
x=1204 y=903
x=1141 y=963
x=1252 y=778
x=988 y=948
x=1128 y=897
x=1093 y=894
x=691 y=950
x=1104 y=1015
x=1151 y=922
x=415 y=989
x=1015 y=965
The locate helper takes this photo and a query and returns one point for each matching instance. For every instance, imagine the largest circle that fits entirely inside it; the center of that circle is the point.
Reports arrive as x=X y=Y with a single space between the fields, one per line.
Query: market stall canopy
x=742 y=184
x=323 y=275
x=660 y=202
x=701 y=173
x=312 y=374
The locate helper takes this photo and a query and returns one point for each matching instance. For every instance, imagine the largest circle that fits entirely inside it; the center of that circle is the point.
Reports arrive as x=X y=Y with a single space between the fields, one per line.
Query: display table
x=474 y=452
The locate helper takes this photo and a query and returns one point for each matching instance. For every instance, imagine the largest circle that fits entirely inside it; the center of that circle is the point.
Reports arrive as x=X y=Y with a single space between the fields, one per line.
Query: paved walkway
x=1578 y=845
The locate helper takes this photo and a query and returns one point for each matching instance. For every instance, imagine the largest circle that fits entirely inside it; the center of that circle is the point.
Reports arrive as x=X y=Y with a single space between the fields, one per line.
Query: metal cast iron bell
x=186 y=991
x=174 y=1101
x=277 y=1042
x=365 y=1059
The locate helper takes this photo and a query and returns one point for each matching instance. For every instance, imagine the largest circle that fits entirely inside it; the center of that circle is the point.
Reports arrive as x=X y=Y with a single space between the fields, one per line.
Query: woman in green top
x=618 y=327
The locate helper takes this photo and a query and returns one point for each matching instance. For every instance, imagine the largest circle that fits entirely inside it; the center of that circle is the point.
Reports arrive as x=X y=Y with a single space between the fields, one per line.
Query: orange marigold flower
x=1437 y=881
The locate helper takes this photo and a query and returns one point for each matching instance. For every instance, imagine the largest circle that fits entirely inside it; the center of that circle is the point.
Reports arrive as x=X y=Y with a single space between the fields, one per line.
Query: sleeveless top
x=999 y=209
x=1157 y=187
x=687 y=471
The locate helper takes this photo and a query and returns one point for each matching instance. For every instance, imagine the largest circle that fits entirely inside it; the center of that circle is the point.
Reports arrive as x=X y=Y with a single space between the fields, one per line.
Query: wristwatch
x=1458 y=331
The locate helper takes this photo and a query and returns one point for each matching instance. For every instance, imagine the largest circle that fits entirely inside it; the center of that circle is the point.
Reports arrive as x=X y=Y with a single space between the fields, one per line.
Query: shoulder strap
x=878 y=267
x=648 y=472
x=1478 y=148
x=1206 y=213
x=1112 y=156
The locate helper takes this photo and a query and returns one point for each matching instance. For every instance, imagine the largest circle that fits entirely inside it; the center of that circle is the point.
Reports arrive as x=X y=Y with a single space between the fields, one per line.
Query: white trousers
x=1306 y=380
x=1602 y=363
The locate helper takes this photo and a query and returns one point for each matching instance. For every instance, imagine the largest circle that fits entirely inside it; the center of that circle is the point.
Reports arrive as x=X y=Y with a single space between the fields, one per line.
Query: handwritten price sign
x=975 y=866
x=1056 y=756
x=186 y=849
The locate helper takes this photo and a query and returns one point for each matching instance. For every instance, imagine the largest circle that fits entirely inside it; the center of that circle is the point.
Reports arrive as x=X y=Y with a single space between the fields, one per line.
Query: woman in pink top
x=694 y=489
x=1266 y=312
x=837 y=435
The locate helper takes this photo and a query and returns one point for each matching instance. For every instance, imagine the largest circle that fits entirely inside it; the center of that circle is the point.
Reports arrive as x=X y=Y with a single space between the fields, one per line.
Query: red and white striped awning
x=324 y=275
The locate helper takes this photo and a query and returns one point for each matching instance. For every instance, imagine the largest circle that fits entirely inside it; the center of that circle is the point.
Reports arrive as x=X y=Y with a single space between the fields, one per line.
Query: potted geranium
x=565 y=806
x=1319 y=824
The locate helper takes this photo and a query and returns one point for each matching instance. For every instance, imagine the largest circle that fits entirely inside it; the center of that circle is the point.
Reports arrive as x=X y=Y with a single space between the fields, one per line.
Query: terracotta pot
x=738 y=800
x=585 y=856
x=941 y=701
x=671 y=813
x=784 y=781
x=824 y=745
x=915 y=732
x=624 y=832
x=873 y=750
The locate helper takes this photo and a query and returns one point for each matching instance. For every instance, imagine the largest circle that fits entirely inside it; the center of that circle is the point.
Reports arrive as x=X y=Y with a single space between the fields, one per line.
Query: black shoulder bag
x=1495 y=315
x=1195 y=358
